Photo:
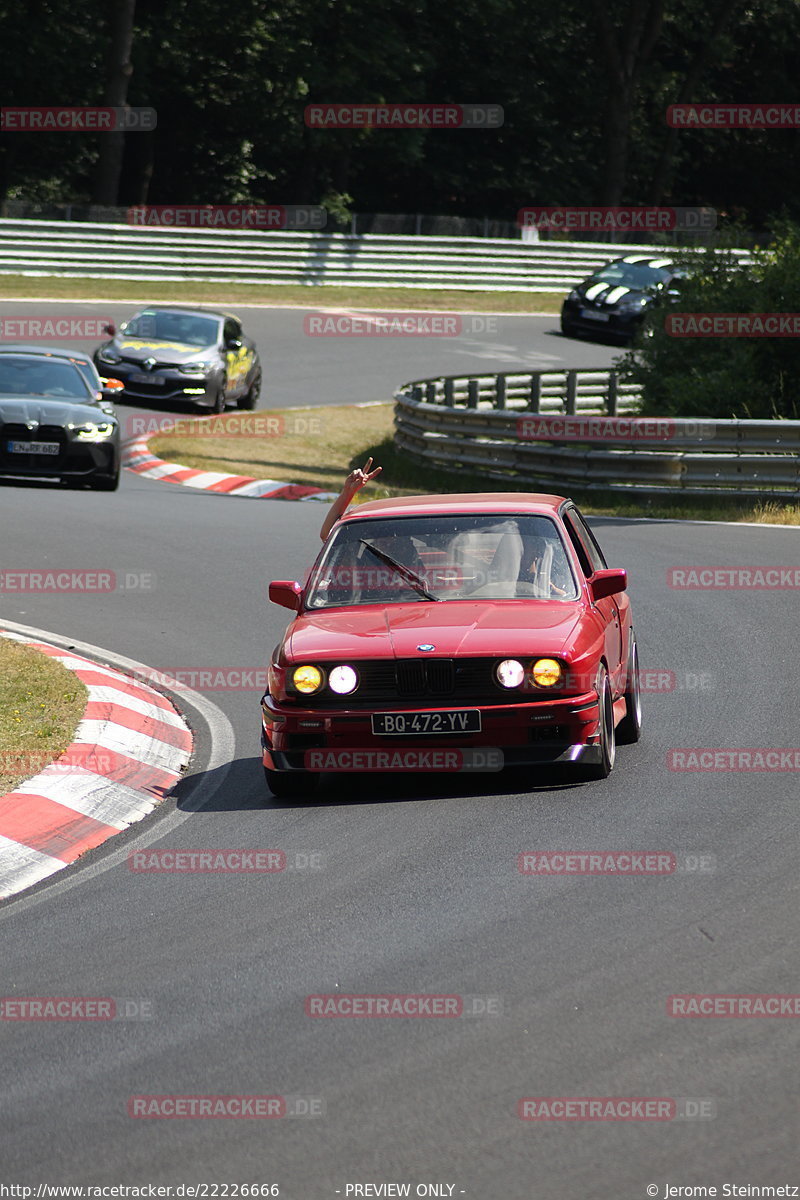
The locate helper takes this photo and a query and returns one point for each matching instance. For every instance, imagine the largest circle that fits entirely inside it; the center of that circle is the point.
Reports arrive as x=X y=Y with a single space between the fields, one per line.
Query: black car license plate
x=398 y=724
x=34 y=448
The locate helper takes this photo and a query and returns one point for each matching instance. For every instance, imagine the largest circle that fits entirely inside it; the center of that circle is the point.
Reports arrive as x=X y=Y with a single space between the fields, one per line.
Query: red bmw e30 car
x=452 y=632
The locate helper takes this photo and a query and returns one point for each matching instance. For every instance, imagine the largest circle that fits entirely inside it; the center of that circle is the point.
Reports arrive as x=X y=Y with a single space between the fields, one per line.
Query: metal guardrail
x=571 y=429
x=115 y=251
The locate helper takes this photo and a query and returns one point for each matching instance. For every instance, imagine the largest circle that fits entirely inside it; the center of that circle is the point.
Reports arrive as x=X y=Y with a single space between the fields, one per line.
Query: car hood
x=34 y=410
x=175 y=352
x=607 y=295
x=454 y=628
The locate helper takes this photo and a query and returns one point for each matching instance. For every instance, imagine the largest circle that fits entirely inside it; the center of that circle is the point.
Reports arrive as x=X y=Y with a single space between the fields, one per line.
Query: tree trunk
x=119 y=71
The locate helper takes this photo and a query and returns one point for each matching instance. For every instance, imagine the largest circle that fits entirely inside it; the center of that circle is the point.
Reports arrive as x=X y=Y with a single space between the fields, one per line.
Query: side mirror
x=112 y=385
x=287 y=594
x=233 y=344
x=608 y=583
x=110 y=328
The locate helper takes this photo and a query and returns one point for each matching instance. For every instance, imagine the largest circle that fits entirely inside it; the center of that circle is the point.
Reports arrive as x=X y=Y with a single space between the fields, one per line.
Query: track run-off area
x=407 y=885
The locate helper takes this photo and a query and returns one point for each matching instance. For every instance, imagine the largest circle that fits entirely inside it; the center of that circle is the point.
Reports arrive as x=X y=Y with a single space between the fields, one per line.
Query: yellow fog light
x=307 y=679
x=546 y=672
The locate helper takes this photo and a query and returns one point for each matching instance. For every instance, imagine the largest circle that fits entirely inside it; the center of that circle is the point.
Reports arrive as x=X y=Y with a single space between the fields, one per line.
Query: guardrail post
x=449 y=392
x=611 y=396
x=430 y=391
x=500 y=391
x=572 y=391
x=473 y=391
x=535 y=398
x=416 y=393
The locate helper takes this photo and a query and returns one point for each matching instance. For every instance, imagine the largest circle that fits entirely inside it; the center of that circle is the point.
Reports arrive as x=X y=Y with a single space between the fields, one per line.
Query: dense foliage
x=755 y=377
x=584 y=84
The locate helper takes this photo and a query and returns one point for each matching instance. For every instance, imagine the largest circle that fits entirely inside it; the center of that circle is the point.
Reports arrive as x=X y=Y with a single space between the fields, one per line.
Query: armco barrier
x=115 y=251
x=487 y=424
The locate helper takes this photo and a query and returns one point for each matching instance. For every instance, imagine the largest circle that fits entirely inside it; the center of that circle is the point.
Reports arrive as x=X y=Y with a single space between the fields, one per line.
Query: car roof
x=535 y=503
x=45 y=351
x=187 y=311
x=644 y=260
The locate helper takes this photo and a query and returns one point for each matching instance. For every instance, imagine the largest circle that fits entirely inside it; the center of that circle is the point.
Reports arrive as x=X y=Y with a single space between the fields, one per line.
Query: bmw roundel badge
x=426 y=646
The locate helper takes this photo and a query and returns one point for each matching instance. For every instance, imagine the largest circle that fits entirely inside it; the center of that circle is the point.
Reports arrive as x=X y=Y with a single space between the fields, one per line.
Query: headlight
x=109 y=356
x=546 y=672
x=197 y=368
x=343 y=680
x=510 y=673
x=573 y=295
x=307 y=679
x=94 y=431
x=634 y=302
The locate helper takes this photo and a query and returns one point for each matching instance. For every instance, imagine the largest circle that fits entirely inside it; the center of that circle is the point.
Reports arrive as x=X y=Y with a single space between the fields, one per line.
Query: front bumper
x=620 y=324
x=176 y=386
x=563 y=730
x=76 y=460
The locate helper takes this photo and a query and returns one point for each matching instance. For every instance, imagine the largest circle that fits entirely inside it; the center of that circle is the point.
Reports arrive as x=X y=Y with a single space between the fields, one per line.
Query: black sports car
x=615 y=300
x=84 y=362
x=53 y=424
x=193 y=354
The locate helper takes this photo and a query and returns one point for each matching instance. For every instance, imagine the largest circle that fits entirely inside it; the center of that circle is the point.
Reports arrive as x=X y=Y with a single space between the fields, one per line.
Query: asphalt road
x=418 y=888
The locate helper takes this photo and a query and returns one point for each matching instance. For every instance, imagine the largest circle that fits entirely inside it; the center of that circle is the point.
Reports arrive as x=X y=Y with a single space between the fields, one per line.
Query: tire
x=219 y=400
x=608 y=741
x=567 y=329
x=290 y=785
x=250 y=398
x=104 y=483
x=629 y=729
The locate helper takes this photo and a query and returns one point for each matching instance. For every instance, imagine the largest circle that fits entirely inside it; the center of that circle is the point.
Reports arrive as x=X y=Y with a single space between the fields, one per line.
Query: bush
x=756 y=377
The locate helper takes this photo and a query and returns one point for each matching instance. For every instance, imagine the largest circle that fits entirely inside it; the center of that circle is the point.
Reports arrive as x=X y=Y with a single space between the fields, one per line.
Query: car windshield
x=457 y=557
x=633 y=275
x=184 y=328
x=42 y=377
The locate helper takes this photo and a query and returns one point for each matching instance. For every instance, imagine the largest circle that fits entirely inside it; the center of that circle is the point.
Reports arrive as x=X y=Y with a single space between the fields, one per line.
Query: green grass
x=319 y=446
x=231 y=294
x=41 y=704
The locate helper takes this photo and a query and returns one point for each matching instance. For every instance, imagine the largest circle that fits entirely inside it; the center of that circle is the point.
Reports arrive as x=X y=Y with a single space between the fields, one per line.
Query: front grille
x=13 y=431
x=425 y=680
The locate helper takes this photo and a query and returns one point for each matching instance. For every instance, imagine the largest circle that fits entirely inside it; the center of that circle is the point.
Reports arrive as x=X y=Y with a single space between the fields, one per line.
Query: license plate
x=589 y=314
x=34 y=447
x=414 y=723
x=139 y=377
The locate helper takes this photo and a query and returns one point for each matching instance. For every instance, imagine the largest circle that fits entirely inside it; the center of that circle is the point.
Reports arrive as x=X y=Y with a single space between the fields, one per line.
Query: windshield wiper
x=411 y=578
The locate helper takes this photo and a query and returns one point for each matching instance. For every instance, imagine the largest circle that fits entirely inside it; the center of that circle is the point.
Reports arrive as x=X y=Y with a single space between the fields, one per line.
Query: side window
x=588 y=555
x=232 y=331
x=595 y=553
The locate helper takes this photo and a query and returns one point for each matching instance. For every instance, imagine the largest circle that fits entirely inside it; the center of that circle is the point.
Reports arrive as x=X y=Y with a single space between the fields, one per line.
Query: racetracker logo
x=403 y=116
x=733 y=116
x=394 y=1004
x=761 y=325
x=397 y=324
x=733 y=578
x=205 y=679
x=615 y=1108
x=709 y=1004
x=233 y=425
x=555 y=427
x=74 y=1008
x=80 y=760
x=71 y=582
x=225 y=1107
x=613 y=862
x=404 y=760
x=712 y=759
x=616 y=219
x=43 y=328
x=77 y=120
x=228 y=216
x=183 y=862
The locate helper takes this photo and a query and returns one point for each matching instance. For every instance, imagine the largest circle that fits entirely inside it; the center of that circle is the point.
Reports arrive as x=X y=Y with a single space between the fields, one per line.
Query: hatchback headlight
x=109 y=356
x=196 y=368
x=307 y=679
x=510 y=673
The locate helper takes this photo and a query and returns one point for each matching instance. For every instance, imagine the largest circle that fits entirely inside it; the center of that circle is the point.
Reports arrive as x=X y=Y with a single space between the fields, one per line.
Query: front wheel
x=608 y=742
x=291 y=785
x=219 y=399
x=105 y=483
x=250 y=398
x=629 y=729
